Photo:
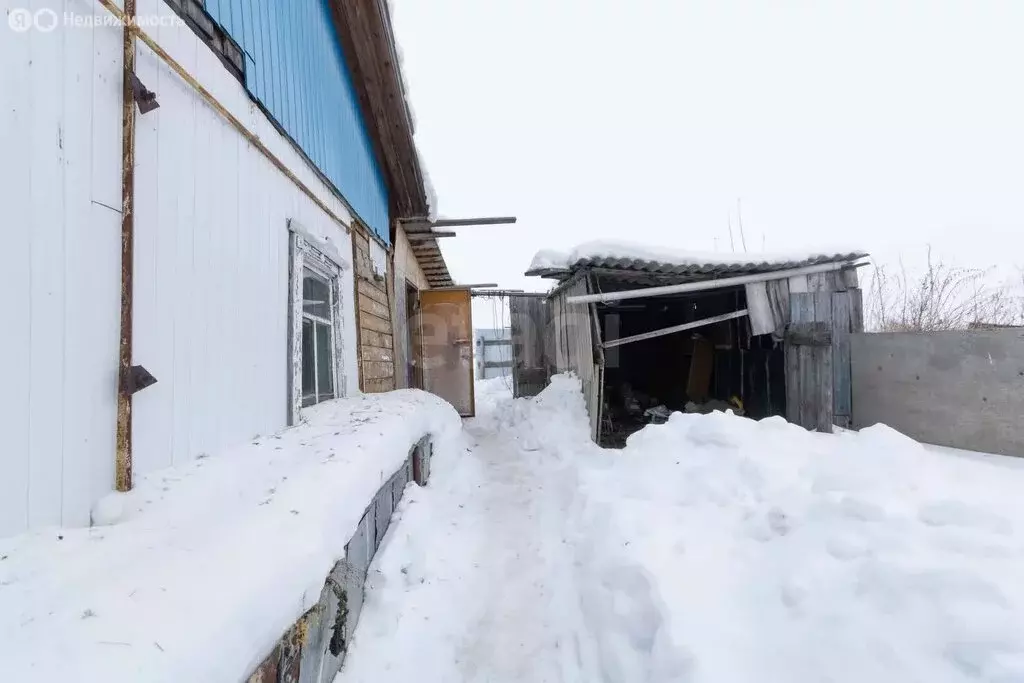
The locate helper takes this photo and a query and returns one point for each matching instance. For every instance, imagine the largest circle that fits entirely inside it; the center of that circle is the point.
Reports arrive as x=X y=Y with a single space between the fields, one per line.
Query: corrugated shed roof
x=629 y=258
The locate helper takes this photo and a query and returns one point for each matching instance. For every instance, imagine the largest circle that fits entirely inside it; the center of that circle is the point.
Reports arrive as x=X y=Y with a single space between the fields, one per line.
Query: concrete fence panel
x=963 y=389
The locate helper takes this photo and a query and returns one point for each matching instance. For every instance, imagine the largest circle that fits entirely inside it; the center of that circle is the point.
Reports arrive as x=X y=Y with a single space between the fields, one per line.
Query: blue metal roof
x=295 y=68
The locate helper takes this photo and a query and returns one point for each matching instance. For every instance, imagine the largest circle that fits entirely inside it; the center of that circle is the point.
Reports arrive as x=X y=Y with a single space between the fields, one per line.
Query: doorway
x=414 y=337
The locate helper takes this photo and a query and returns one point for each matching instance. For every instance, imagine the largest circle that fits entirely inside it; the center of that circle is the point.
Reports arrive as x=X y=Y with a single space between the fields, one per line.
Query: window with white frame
x=316 y=356
x=317 y=338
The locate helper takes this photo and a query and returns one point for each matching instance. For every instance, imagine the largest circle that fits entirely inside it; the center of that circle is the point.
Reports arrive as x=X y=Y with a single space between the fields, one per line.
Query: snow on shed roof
x=628 y=256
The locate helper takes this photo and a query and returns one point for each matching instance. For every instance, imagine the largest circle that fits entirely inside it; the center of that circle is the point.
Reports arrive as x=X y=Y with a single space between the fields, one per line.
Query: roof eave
x=371 y=51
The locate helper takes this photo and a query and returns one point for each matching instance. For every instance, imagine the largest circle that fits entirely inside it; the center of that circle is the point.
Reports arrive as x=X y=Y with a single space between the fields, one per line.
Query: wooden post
x=823 y=359
x=123 y=434
x=841 y=359
x=355 y=304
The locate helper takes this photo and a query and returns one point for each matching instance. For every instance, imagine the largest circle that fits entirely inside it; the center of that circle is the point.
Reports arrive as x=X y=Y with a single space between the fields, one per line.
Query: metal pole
x=123 y=434
x=704 y=285
x=675 y=328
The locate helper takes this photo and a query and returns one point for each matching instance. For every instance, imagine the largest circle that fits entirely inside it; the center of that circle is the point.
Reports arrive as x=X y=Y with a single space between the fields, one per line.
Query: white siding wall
x=211 y=264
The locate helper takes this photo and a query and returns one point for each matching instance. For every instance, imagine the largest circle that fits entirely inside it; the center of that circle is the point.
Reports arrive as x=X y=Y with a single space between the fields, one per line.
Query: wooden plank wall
x=818 y=372
x=373 y=318
x=809 y=365
x=572 y=330
x=847 y=318
x=531 y=365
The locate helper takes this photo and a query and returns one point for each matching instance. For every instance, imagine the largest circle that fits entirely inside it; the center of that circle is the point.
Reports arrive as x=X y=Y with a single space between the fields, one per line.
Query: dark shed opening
x=714 y=367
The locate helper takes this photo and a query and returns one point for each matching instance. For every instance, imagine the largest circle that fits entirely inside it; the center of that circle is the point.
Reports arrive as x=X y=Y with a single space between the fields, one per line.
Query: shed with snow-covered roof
x=650 y=331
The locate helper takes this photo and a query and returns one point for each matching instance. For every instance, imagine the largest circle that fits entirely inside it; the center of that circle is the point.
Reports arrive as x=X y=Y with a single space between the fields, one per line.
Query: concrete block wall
x=313 y=649
x=963 y=389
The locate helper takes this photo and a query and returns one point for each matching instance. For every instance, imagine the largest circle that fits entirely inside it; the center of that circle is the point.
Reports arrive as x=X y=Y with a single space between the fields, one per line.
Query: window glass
x=324 y=362
x=316 y=295
x=308 y=364
x=314 y=368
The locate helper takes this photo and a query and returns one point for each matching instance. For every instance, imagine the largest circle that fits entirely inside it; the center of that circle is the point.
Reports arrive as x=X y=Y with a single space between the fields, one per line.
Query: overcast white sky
x=886 y=124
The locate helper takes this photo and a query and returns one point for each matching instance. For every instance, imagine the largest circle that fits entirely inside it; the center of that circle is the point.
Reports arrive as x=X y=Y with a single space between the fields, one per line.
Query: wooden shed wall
x=374 y=319
x=824 y=310
x=531 y=362
x=407 y=271
x=573 y=345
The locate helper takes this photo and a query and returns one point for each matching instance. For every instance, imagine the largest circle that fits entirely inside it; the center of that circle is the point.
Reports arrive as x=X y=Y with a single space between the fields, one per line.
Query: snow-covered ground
x=203 y=567
x=712 y=548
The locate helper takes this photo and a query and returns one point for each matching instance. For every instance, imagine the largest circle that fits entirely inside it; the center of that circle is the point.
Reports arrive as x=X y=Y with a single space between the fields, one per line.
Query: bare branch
x=944 y=297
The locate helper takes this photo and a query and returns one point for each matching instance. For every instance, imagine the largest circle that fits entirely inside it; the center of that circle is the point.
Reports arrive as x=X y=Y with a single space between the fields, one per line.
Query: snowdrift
x=777 y=554
x=206 y=565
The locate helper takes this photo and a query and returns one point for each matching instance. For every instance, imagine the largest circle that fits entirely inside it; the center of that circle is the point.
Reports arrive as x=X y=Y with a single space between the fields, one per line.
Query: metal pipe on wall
x=704 y=285
x=123 y=434
x=123 y=430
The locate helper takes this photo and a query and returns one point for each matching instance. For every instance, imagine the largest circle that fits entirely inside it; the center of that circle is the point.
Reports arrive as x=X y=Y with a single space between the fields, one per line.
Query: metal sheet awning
x=642 y=271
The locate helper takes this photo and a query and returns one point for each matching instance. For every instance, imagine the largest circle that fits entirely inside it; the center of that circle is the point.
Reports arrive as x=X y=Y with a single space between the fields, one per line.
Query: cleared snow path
x=486 y=591
x=712 y=549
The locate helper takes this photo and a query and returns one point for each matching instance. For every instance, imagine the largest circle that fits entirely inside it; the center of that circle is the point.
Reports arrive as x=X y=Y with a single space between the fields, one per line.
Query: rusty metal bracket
x=138 y=378
x=144 y=97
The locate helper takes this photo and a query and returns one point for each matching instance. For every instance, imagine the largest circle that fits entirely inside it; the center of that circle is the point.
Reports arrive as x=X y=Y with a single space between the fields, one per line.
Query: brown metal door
x=446 y=328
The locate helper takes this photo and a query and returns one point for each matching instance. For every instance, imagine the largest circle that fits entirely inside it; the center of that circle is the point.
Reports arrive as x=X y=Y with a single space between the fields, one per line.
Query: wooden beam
x=423 y=236
x=459 y=222
x=508 y=292
x=466 y=286
x=611 y=343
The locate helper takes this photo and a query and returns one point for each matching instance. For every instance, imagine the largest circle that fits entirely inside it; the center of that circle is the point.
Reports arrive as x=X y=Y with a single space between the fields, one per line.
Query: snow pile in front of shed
x=208 y=563
x=786 y=555
x=641 y=256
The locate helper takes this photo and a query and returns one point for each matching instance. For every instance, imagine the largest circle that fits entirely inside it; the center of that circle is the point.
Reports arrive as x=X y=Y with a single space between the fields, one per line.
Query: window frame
x=305 y=255
x=316 y=323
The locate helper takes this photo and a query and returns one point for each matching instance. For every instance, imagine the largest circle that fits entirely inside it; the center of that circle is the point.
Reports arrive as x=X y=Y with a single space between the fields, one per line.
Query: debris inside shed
x=720 y=366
